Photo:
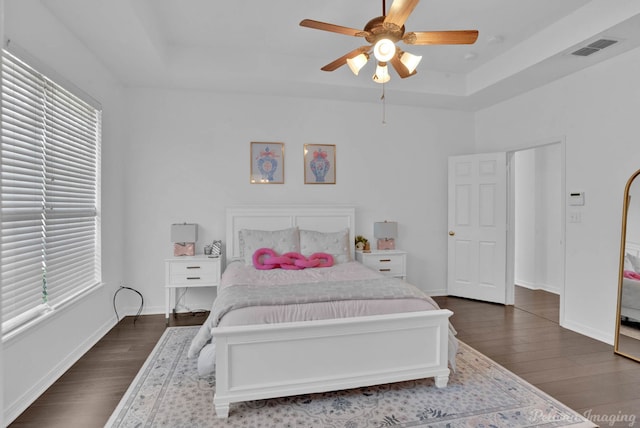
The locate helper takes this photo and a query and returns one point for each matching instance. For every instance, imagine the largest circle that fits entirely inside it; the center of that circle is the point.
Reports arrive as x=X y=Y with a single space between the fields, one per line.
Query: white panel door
x=477 y=227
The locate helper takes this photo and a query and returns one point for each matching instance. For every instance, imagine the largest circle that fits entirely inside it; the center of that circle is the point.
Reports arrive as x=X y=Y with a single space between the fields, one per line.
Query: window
x=50 y=187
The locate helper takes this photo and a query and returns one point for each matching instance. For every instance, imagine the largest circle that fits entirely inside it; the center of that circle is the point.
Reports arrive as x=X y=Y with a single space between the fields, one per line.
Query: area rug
x=167 y=392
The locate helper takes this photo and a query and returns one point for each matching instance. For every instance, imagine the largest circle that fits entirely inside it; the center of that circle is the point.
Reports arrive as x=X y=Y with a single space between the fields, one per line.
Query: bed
x=630 y=299
x=257 y=360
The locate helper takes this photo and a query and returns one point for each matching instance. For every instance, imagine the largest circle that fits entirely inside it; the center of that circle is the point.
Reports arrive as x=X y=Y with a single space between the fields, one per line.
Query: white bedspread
x=239 y=274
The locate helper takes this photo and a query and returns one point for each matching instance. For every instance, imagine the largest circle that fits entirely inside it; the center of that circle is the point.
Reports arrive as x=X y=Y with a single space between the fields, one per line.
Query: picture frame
x=319 y=163
x=267 y=163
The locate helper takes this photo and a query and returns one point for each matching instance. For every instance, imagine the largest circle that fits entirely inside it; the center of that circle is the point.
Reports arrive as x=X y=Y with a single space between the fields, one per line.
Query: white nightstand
x=195 y=271
x=387 y=262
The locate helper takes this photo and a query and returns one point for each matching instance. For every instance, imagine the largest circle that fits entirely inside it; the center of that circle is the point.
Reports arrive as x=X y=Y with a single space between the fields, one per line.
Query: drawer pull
x=385 y=260
x=385 y=270
x=193 y=267
x=193 y=277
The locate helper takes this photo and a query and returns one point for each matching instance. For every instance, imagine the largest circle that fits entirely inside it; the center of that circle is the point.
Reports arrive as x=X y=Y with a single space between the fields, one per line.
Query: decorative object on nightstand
x=184 y=237
x=385 y=232
x=188 y=272
x=387 y=262
x=216 y=249
x=362 y=243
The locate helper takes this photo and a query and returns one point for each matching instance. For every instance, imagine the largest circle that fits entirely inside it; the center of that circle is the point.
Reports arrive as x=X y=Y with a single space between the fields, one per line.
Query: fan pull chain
x=384 y=105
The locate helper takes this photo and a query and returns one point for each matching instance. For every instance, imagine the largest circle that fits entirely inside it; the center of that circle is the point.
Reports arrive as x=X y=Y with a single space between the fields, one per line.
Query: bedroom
x=166 y=159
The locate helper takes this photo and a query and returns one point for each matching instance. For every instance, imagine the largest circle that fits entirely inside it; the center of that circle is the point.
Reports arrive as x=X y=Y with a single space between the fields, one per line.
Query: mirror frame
x=623 y=240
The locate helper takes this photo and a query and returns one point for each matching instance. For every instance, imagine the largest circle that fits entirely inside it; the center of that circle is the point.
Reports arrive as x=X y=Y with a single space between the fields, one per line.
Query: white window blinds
x=50 y=182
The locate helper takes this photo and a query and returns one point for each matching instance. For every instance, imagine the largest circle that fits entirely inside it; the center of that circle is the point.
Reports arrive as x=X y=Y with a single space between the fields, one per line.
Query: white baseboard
x=438 y=292
x=588 y=331
x=538 y=286
x=13 y=410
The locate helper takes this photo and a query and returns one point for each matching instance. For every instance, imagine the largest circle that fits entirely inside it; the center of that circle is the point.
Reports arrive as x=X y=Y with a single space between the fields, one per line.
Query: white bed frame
x=276 y=360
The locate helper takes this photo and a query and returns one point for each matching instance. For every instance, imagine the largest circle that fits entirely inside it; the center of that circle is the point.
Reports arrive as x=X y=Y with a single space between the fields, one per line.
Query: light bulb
x=357 y=62
x=384 y=50
x=382 y=74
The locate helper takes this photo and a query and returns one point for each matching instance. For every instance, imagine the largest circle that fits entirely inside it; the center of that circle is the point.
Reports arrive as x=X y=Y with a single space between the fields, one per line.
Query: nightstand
x=387 y=262
x=194 y=271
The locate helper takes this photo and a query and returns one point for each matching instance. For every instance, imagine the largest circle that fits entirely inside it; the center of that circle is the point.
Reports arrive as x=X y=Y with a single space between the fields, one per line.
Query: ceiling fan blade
x=343 y=59
x=400 y=11
x=317 y=25
x=400 y=68
x=455 y=37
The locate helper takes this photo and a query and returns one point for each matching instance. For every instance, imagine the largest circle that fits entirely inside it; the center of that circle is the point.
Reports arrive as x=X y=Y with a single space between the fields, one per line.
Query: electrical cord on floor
x=122 y=287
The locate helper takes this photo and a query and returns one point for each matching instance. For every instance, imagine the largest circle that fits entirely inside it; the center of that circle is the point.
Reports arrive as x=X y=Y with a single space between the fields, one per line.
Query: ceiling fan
x=382 y=33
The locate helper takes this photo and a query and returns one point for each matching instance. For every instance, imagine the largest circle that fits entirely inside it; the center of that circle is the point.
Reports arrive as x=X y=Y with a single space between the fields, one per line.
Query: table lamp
x=184 y=237
x=385 y=232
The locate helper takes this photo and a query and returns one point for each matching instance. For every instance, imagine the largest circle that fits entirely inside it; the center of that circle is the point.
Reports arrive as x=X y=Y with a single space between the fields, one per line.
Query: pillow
x=335 y=243
x=634 y=261
x=627 y=263
x=280 y=241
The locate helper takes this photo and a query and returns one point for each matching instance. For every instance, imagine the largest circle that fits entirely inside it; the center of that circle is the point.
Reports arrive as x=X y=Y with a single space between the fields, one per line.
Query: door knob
x=451 y=233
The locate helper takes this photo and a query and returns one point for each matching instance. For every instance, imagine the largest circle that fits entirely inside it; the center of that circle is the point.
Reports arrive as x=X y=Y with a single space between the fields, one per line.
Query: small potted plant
x=362 y=244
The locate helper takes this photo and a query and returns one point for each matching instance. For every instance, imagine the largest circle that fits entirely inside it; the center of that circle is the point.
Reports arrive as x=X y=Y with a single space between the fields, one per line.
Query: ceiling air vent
x=594 y=47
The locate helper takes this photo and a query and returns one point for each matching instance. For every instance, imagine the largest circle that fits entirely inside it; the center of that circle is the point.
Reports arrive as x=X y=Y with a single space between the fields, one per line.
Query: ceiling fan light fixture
x=382 y=73
x=410 y=61
x=384 y=50
x=357 y=62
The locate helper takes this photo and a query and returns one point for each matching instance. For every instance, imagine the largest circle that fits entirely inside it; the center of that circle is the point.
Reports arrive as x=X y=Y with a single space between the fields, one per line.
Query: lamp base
x=184 y=249
x=386 y=244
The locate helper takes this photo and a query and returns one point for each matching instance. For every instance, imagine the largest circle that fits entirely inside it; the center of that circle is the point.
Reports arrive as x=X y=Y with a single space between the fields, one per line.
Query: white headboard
x=322 y=218
x=632 y=248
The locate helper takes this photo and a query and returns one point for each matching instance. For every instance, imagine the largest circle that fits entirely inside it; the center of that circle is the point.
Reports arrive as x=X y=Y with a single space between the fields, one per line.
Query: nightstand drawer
x=388 y=265
x=193 y=271
x=387 y=262
x=194 y=268
x=193 y=278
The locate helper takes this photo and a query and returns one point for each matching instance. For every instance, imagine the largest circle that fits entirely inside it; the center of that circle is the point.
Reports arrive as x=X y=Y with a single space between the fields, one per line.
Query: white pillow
x=281 y=241
x=634 y=261
x=335 y=243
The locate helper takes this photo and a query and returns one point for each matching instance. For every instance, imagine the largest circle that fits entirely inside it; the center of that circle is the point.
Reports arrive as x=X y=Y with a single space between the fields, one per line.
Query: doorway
x=537 y=207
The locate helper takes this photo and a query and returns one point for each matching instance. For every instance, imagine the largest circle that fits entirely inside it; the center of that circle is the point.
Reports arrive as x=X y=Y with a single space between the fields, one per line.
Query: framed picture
x=267 y=163
x=319 y=164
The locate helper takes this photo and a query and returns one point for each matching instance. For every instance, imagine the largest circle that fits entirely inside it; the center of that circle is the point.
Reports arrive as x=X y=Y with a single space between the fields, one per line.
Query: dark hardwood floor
x=580 y=372
x=86 y=395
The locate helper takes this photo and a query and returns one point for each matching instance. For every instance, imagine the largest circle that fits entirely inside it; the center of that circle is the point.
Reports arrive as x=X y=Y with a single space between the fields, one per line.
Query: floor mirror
x=627 y=339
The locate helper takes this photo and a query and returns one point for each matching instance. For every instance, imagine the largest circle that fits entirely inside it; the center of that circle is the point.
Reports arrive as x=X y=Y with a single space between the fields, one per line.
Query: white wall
x=596 y=111
x=188 y=160
x=34 y=359
x=538 y=239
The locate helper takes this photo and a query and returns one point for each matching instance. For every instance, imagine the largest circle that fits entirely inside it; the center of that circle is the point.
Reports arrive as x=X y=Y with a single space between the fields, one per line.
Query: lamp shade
x=185 y=232
x=410 y=61
x=382 y=73
x=357 y=62
x=385 y=230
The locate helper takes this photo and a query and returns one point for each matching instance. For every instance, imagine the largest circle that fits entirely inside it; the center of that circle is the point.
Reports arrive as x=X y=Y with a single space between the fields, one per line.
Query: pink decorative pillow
x=325 y=260
x=278 y=261
x=295 y=257
x=307 y=263
x=266 y=258
x=258 y=262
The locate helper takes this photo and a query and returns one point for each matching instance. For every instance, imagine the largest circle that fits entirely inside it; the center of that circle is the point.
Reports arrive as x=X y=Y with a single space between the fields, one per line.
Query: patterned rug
x=168 y=392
